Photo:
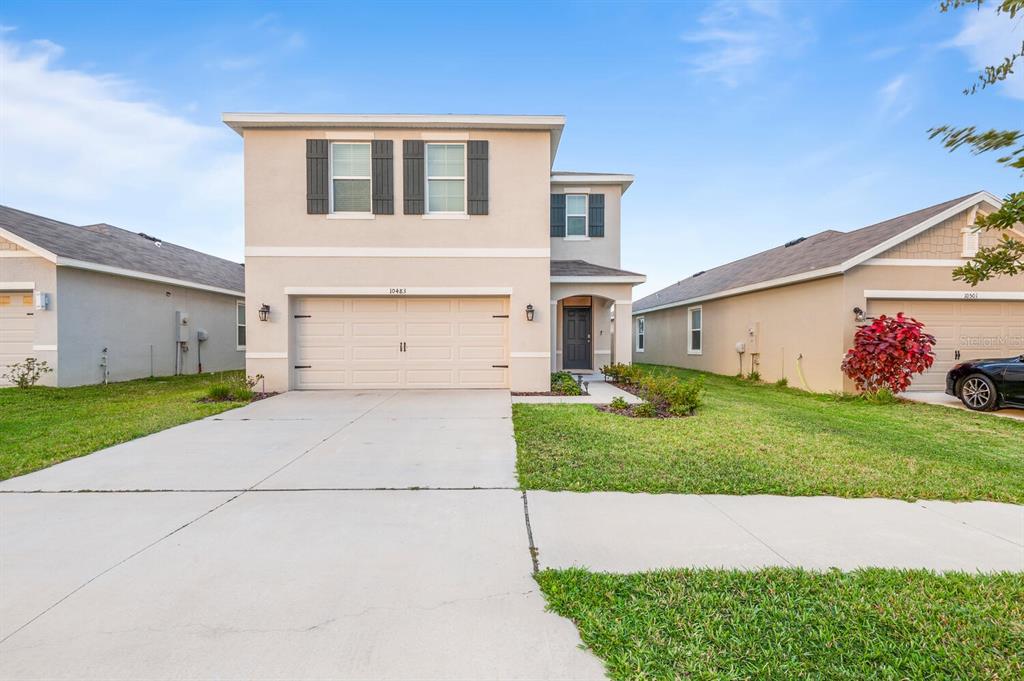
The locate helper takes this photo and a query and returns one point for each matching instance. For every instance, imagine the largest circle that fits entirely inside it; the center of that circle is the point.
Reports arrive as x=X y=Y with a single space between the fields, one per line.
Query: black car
x=986 y=384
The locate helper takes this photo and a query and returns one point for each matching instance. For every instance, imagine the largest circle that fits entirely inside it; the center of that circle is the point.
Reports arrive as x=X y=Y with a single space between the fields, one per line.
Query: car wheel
x=978 y=392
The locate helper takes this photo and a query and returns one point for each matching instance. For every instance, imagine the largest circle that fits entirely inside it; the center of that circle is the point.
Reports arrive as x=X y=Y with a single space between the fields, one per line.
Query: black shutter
x=596 y=212
x=317 y=172
x=558 y=215
x=383 y=173
x=412 y=176
x=477 y=178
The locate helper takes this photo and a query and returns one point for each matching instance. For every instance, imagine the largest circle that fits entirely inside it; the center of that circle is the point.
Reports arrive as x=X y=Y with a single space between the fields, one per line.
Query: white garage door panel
x=357 y=343
x=17 y=328
x=976 y=328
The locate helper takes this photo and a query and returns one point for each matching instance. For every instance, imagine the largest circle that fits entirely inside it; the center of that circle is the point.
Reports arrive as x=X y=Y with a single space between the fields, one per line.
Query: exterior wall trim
x=878 y=294
x=20 y=253
x=397 y=292
x=17 y=286
x=266 y=355
x=913 y=262
x=639 y=279
x=44 y=348
x=360 y=252
x=135 y=274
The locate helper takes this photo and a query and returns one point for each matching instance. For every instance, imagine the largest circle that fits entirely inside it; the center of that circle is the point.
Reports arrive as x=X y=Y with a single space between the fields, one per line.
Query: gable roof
x=120 y=251
x=823 y=254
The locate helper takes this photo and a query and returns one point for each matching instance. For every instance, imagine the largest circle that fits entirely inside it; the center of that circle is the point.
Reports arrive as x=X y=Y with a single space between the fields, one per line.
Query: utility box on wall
x=181 y=322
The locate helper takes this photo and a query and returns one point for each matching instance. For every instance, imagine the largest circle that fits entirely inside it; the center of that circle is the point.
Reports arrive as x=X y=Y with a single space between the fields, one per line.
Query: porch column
x=554 y=336
x=624 y=331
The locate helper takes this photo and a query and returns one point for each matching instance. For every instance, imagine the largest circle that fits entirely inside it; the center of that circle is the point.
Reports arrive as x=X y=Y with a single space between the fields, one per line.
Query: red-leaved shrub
x=888 y=352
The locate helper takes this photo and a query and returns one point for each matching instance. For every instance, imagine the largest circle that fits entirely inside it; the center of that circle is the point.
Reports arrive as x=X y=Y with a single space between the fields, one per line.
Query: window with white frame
x=575 y=215
x=695 y=337
x=446 y=178
x=641 y=330
x=350 y=177
x=240 y=325
x=972 y=241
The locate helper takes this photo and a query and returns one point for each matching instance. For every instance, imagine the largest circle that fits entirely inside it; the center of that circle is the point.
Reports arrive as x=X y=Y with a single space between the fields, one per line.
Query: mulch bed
x=628 y=411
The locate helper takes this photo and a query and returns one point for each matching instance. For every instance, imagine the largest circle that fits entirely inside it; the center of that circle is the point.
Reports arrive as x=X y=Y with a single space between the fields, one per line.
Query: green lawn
x=43 y=426
x=792 y=624
x=760 y=439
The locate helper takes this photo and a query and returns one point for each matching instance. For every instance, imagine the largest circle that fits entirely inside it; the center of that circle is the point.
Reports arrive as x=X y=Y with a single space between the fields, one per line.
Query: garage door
x=400 y=343
x=974 y=328
x=17 y=328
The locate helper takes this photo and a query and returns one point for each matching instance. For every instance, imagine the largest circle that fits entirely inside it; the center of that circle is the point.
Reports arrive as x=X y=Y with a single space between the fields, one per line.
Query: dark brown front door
x=577 y=338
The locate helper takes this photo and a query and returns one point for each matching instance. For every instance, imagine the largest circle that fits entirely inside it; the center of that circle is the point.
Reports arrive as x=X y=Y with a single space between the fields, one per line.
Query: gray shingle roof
x=582 y=268
x=104 y=244
x=824 y=249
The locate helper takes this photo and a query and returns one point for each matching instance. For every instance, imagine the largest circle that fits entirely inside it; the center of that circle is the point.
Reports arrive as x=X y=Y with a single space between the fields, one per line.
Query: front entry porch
x=591 y=316
x=589 y=331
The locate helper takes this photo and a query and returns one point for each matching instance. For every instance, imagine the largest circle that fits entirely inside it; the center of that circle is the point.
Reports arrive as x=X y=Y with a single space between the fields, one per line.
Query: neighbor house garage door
x=17 y=328
x=974 y=328
x=400 y=343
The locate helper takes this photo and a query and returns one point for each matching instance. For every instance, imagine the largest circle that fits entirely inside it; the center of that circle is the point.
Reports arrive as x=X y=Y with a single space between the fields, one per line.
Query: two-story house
x=426 y=251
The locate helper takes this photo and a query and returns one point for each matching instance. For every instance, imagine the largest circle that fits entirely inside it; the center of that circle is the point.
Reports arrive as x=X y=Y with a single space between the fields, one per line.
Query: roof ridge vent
x=155 y=239
x=794 y=242
x=697 y=274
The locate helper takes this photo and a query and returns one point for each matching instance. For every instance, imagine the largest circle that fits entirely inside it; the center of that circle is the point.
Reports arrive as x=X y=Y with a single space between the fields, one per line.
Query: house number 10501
x=396 y=291
x=970 y=296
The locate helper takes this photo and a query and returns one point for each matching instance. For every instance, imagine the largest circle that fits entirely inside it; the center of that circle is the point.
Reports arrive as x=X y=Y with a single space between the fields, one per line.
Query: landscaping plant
x=888 y=352
x=26 y=374
x=563 y=383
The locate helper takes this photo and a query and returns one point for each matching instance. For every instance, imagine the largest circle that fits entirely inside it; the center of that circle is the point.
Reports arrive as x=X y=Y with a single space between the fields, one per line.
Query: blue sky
x=746 y=123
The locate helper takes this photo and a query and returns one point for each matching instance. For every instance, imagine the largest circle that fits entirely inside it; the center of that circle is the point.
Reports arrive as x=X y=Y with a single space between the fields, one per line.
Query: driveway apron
x=359 y=534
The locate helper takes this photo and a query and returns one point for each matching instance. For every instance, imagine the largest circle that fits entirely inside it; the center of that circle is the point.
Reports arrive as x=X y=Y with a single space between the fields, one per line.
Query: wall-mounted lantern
x=858 y=314
x=264 y=312
x=529 y=312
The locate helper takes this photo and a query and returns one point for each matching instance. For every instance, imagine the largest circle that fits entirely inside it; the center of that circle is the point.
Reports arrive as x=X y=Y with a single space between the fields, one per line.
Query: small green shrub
x=563 y=383
x=623 y=373
x=754 y=377
x=219 y=392
x=619 y=404
x=27 y=373
x=782 y=383
x=644 y=410
x=669 y=395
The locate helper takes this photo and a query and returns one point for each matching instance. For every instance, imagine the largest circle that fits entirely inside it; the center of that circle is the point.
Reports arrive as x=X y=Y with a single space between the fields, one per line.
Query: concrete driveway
x=309 y=535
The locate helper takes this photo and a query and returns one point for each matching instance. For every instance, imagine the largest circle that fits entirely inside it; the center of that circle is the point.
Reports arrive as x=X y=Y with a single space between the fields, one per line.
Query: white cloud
x=734 y=37
x=83 y=148
x=987 y=38
x=894 y=100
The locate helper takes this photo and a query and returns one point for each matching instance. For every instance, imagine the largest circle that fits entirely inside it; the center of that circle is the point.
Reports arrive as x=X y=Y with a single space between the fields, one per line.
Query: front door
x=577 y=338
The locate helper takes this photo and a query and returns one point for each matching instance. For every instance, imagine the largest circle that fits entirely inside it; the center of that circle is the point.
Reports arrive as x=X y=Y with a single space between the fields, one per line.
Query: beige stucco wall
x=795 y=328
x=604 y=250
x=43 y=276
x=275 y=209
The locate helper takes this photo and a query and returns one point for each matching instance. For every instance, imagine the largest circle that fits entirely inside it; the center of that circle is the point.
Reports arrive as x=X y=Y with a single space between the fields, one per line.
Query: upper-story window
x=446 y=178
x=575 y=215
x=350 y=177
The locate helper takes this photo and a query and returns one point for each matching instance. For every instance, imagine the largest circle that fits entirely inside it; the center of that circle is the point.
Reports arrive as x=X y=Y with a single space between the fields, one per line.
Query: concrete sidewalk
x=600 y=393
x=620 y=532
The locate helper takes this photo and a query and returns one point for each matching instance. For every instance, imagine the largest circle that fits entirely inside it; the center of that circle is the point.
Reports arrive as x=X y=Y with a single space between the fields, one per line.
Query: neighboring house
x=427 y=251
x=791 y=312
x=99 y=303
